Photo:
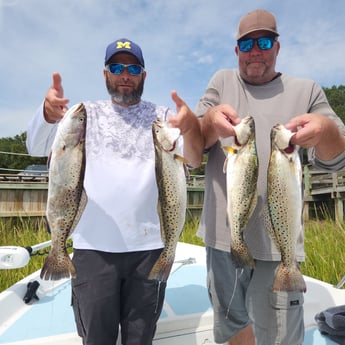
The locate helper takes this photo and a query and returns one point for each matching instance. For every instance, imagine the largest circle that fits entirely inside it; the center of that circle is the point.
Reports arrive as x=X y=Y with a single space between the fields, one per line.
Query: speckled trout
x=241 y=168
x=66 y=196
x=172 y=195
x=285 y=205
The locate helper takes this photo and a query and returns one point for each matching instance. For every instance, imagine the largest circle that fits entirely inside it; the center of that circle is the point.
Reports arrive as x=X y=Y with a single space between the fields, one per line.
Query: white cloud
x=184 y=43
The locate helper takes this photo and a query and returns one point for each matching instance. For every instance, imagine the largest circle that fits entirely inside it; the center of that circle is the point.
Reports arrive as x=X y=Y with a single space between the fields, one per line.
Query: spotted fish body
x=66 y=196
x=172 y=195
x=285 y=204
x=241 y=168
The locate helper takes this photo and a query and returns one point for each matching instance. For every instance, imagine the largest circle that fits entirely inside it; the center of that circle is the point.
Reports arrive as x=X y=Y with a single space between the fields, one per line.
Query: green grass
x=324 y=243
x=325 y=255
x=324 y=247
x=21 y=232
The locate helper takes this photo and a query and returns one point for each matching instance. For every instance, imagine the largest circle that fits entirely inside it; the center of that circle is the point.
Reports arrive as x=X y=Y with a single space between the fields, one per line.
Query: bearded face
x=124 y=92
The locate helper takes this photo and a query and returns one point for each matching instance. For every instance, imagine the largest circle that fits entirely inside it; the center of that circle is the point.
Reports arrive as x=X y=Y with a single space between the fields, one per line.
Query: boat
x=187 y=317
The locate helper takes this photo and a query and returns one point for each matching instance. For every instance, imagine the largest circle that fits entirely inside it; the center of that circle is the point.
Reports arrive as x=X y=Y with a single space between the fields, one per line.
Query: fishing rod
x=12 y=257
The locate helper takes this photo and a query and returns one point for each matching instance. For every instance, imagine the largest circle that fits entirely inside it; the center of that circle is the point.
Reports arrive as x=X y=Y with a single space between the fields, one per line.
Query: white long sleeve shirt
x=121 y=213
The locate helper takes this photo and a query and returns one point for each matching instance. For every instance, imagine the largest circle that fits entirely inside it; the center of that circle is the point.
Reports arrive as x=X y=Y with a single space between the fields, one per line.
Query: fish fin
x=184 y=162
x=56 y=269
x=289 y=278
x=161 y=269
x=47 y=225
x=180 y=158
x=253 y=204
x=186 y=170
x=225 y=164
x=81 y=207
x=268 y=226
x=160 y=215
x=230 y=149
x=241 y=255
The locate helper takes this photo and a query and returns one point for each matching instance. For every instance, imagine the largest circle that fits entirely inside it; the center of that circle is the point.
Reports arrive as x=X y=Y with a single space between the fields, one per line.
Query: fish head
x=280 y=138
x=164 y=136
x=245 y=131
x=73 y=125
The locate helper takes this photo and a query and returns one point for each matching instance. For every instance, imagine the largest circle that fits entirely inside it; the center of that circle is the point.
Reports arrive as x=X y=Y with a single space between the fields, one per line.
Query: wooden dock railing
x=323 y=186
x=23 y=195
x=27 y=195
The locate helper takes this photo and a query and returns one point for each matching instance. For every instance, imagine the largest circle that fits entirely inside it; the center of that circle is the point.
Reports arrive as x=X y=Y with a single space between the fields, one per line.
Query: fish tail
x=56 y=268
x=241 y=255
x=289 y=278
x=161 y=269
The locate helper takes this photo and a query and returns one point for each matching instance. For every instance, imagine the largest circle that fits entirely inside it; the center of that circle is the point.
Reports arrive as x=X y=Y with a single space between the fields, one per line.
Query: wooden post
x=339 y=209
x=338 y=202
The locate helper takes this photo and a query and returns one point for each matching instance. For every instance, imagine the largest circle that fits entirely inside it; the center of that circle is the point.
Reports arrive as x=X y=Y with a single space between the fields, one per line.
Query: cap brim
x=257 y=29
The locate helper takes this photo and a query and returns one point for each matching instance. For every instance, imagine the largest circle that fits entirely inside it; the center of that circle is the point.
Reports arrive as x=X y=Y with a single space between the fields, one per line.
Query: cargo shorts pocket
x=288 y=326
x=286 y=300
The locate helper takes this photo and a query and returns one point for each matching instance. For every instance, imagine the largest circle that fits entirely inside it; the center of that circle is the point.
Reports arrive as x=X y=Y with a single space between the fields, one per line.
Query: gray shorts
x=227 y=288
x=241 y=296
x=112 y=289
x=278 y=316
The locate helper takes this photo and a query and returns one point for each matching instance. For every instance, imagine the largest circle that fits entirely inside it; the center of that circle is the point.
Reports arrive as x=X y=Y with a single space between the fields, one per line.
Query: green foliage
x=22 y=232
x=324 y=243
x=336 y=98
x=18 y=160
x=189 y=233
x=324 y=246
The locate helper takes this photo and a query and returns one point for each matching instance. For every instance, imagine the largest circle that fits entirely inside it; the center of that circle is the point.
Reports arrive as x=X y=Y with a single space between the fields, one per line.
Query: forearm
x=208 y=133
x=193 y=146
x=331 y=144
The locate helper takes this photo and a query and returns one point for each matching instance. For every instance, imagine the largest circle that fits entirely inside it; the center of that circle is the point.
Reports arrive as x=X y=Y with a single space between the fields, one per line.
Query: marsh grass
x=22 y=232
x=324 y=245
x=325 y=255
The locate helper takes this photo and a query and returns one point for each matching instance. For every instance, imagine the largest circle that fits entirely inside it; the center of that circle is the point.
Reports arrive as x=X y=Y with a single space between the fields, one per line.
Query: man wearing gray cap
x=117 y=240
x=242 y=296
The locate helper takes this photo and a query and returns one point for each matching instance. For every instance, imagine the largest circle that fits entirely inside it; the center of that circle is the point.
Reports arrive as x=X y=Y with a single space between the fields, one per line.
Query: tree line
x=14 y=157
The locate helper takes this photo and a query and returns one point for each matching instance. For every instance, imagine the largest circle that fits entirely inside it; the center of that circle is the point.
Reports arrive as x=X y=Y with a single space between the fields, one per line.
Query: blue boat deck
x=186 y=316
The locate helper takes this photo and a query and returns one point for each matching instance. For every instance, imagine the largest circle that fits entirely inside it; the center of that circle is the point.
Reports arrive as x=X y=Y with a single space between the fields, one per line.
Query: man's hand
x=219 y=121
x=318 y=131
x=55 y=105
x=189 y=126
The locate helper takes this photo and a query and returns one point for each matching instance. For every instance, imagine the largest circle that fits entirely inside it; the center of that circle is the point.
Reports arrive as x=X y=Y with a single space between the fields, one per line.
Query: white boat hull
x=186 y=317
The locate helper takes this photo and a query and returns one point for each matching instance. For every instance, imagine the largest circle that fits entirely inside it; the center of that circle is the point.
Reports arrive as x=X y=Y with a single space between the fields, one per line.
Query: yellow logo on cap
x=120 y=45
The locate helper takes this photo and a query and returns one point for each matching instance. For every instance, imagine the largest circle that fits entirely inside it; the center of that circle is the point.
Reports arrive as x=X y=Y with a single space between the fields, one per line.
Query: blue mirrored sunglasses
x=118 y=68
x=264 y=43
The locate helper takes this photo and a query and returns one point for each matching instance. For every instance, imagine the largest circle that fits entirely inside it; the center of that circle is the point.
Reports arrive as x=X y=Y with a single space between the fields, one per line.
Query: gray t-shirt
x=271 y=103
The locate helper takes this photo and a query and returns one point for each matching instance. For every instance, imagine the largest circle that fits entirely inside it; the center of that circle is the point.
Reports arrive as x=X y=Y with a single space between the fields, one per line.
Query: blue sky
x=184 y=43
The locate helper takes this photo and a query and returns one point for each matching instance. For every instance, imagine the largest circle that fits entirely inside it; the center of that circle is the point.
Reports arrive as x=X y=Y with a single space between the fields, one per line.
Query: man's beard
x=128 y=98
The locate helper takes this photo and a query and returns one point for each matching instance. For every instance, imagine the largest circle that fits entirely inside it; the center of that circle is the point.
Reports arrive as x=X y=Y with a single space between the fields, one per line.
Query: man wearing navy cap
x=117 y=239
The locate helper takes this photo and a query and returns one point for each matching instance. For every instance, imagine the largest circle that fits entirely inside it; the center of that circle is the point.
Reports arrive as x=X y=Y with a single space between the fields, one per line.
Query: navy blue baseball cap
x=124 y=45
